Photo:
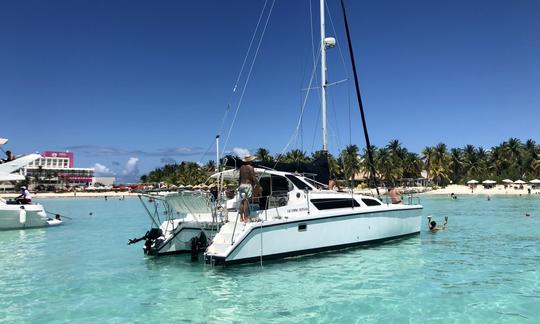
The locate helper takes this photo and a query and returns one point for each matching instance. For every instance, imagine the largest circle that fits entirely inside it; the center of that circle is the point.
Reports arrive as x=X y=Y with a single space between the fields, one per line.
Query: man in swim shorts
x=247 y=182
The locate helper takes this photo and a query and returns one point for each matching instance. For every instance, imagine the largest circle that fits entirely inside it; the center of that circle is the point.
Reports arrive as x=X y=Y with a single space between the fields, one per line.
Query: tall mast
x=323 y=81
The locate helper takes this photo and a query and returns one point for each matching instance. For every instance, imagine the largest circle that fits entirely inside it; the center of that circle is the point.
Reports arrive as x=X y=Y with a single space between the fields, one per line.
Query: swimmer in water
x=432 y=225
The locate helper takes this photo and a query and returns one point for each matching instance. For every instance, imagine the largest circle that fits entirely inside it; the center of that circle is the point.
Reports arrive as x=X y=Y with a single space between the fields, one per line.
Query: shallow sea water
x=483 y=269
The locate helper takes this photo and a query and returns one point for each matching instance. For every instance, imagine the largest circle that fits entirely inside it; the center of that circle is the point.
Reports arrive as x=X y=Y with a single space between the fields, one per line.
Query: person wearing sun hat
x=247 y=182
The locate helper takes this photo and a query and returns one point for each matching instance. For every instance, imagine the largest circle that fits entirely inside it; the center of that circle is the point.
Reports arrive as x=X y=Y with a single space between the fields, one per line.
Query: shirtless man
x=247 y=182
x=395 y=195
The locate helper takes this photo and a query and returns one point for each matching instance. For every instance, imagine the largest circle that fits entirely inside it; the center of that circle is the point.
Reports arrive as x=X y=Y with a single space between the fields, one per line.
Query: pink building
x=57 y=169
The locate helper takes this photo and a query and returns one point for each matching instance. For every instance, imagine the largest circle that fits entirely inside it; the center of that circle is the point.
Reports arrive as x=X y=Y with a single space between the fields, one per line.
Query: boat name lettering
x=296 y=210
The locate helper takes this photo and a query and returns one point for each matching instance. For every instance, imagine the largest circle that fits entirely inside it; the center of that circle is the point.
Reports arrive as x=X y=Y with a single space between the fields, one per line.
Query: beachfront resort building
x=55 y=170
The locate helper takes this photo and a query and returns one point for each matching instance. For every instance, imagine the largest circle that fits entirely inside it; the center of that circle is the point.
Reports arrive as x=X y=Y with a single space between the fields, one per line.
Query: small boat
x=182 y=222
x=17 y=216
x=14 y=215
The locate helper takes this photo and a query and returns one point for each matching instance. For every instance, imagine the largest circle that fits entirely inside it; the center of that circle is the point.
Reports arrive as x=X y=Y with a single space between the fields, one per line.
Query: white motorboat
x=14 y=215
x=182 y=222
x=295 y=216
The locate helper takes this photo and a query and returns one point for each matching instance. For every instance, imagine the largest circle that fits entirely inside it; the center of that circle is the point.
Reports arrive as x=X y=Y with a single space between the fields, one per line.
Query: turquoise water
x=483 y=269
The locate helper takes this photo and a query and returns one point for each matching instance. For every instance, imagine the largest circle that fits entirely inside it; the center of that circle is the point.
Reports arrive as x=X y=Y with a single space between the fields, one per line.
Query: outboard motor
x=199 y=243
x=151 y=238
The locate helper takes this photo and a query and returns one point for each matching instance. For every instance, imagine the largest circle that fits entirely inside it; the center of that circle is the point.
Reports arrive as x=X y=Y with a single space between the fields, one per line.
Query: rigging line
x=206 y=152
x=342 y=57
x=345 y=70
x=243 y=66
x=311 y=33
x=248 y=77
x=316 y=129
x=337 y=135
x=313 y=72
x=337 y=44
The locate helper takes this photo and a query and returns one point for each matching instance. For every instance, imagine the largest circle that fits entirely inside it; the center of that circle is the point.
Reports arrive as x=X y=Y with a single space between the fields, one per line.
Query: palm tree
x=531 y=154
x=351 y=162
x=428 y=155
x=412 y=166
x=296 y=156
x=472 y=165
x=264 y=155
x=398 y=155
x=456 y=165
x=513 y=152
x=387 y=166
x=210 y=166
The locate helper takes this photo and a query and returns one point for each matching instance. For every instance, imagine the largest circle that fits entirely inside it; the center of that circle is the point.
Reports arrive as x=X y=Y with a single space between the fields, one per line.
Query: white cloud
x=241 y=152
x=101 y=170
x=131 y=167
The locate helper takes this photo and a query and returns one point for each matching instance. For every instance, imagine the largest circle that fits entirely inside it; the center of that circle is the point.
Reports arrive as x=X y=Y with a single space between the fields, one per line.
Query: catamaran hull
x=11 y=218
x=298 y=237
x=181 y=241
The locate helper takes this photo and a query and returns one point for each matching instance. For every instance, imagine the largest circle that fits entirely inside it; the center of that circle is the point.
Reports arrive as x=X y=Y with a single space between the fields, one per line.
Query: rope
x=248 y=77
x=295 y=133
x=242 y=68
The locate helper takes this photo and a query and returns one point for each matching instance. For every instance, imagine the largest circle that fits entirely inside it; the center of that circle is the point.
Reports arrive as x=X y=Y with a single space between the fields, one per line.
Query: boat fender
x=22 y=215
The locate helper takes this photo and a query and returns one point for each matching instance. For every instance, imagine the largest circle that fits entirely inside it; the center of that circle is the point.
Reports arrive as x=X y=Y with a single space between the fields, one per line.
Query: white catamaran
x=296 y=215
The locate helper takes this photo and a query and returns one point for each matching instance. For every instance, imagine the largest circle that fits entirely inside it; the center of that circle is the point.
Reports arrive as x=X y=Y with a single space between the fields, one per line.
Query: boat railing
x=413 y=200
x=274 y=200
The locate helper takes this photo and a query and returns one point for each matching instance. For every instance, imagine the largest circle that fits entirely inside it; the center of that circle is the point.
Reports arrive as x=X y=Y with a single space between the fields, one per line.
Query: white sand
x=480 y=190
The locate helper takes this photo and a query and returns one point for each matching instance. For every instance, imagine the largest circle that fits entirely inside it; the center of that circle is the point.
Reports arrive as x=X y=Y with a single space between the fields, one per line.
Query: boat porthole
x=297 y=195
x=302 y=227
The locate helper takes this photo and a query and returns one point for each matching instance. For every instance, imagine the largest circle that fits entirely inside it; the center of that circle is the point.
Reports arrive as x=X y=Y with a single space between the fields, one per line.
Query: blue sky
x=130 y=85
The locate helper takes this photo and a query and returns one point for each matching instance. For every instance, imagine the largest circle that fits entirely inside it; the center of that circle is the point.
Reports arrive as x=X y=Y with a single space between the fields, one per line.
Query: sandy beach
x=480 y=190
x=460 y=190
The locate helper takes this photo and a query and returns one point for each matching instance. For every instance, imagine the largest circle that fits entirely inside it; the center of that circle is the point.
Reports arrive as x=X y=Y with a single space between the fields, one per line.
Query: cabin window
x=279 y=184
x=302 y=227
x=332 y=203
x=298 y=183
x=371 y=202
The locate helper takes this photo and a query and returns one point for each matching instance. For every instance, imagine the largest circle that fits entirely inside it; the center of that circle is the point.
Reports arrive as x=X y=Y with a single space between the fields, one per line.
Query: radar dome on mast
x=329 y=42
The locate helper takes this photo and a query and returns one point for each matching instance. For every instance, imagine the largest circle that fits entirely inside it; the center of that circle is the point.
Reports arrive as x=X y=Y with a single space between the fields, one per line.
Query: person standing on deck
x=395 y=195
x=246 y=182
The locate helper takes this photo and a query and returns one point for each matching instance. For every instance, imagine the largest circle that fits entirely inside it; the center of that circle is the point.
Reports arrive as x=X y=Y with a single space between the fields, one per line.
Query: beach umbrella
x=507 y=181
x=472 y=182
x=489 y=182
x=520 y=182
x=535 y=181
